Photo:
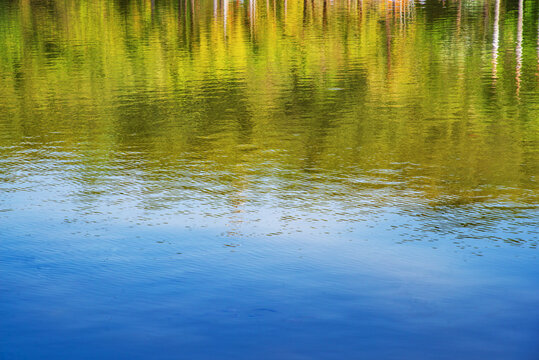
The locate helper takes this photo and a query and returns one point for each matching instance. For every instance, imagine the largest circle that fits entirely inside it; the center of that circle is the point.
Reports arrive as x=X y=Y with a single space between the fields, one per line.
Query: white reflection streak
x=519 y=43
x=215 y=9
x=495 y=39
x=225 y=15
x=252 y=10
x=400 y=13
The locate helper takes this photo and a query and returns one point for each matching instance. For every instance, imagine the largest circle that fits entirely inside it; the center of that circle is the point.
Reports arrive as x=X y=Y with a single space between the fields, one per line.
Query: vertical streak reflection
x=252 y=16
x=225 y=15
x=495 y=39
x=459 y=16
x=519 y=43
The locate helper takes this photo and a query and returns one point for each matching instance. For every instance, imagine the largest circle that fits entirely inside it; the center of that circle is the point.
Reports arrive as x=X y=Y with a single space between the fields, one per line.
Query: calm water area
x=269 y=179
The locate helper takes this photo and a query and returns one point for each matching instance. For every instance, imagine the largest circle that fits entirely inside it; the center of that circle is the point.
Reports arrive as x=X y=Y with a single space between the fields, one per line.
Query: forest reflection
x=436 y=99
x=269 y=179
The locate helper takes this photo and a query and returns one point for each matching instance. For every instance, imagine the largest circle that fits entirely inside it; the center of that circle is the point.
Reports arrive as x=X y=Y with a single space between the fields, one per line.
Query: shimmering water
x=281 y=179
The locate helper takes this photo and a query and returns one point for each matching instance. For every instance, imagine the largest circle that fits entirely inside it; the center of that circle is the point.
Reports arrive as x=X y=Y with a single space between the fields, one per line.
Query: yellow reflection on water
x=398 y=94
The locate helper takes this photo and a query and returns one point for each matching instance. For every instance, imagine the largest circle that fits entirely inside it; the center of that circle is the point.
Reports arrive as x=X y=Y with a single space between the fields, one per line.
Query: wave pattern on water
x=282 y=179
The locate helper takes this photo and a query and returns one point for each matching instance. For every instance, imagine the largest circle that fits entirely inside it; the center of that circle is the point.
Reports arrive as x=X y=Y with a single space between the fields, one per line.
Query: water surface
x=276 y=179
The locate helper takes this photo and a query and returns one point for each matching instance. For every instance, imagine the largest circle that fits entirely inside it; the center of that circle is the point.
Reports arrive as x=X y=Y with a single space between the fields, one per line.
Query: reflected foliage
x=435 y=99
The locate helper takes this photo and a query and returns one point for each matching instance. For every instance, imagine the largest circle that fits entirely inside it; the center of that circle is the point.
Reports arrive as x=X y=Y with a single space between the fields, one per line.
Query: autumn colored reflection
x=269 y=179
x=364 y=85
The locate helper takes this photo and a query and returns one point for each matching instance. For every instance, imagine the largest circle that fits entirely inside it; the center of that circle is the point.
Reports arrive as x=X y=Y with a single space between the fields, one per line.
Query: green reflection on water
x=437 y=100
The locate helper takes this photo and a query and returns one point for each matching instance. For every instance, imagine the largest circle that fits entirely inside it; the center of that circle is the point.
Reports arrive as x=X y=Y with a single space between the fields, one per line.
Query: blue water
x=105 y=288
x=325 y=180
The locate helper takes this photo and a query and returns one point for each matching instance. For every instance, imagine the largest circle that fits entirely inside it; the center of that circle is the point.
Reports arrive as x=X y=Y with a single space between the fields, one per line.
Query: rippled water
x=276 y=179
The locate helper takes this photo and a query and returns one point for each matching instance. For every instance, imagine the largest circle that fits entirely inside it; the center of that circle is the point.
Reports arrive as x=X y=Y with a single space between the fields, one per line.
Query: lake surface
x=279 y=179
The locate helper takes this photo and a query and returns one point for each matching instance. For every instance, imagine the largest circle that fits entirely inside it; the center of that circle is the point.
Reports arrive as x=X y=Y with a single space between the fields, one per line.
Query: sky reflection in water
x=270 y=179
